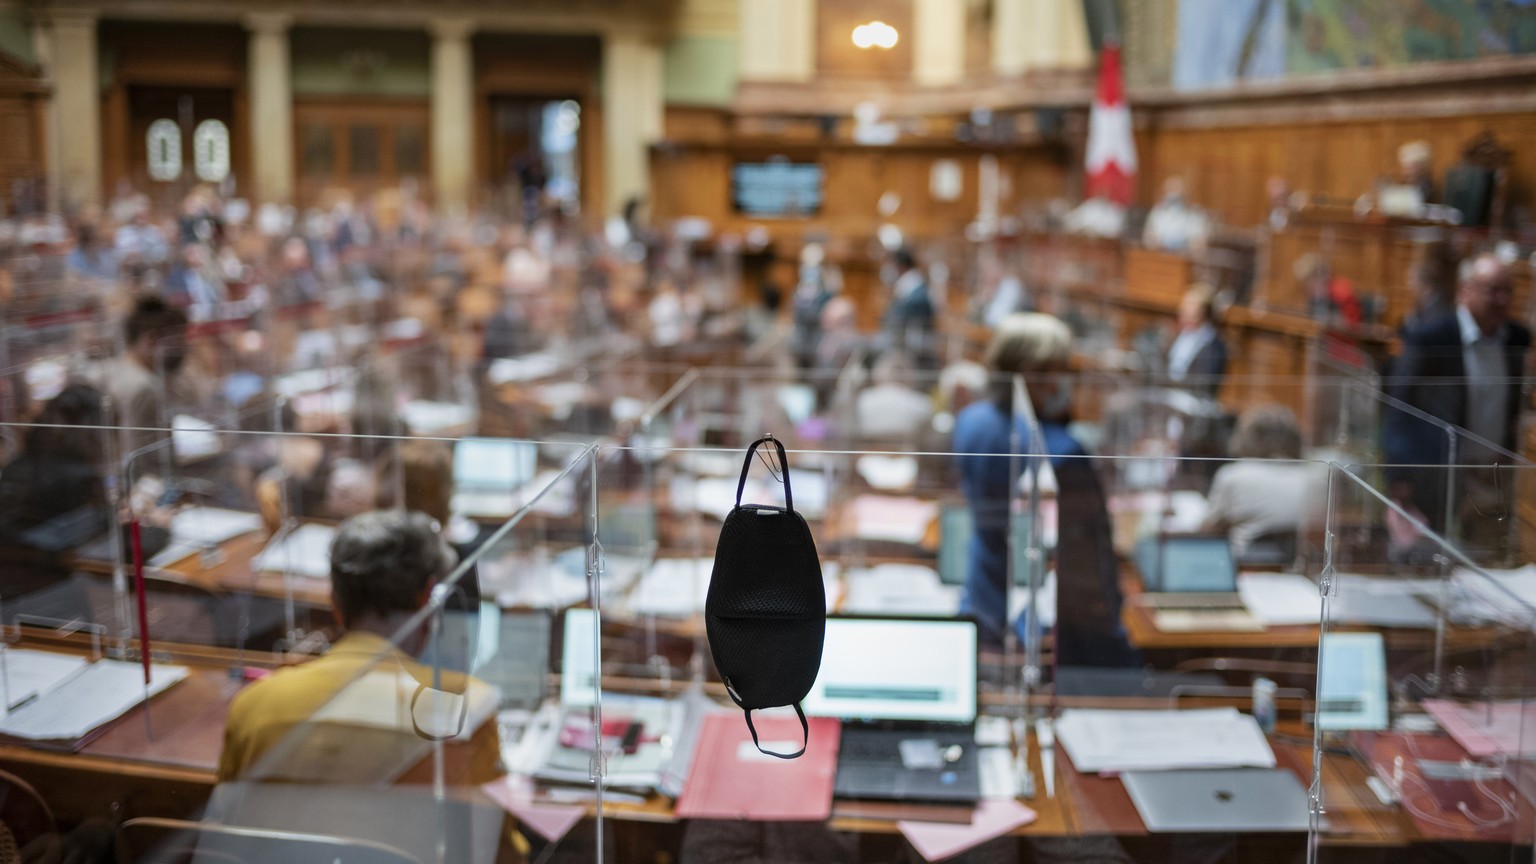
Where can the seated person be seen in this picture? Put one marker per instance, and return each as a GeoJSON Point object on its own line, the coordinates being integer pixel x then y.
{"type": "Point", "coordinates": [1089, 632]}
{"type": "Point", "coordinates": [1255, 495]}
{"type": "Point", "coordinates": [384, 566]}
{"type": "Point", "coordinates": [1198, 356]}
{"type": "Point", "coordinates": [890, 408]}
{"type": "Point", "coordinates": [52, 500]}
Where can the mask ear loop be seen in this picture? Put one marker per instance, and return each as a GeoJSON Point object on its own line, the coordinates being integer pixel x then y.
{"type": "Point", "coordinates": [805, 727]}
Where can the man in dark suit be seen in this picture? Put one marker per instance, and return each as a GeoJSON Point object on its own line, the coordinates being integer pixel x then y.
{"type": "Point", "coordinates": [1464, 369]}
{"type": "Point", "coordinates": [1197, 359]}
{"type": "Point", "coordinates": [908, 325]}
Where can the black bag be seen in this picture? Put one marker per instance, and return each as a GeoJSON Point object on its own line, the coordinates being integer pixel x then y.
{"type": "Point", "coordinates": [766, 613]}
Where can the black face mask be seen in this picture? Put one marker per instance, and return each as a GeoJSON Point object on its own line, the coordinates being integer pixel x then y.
{"type": "Point", "coordinates": [766, 613]}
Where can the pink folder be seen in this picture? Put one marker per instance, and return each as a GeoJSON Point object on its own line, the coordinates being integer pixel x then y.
{"type": "Point", "coordinates": [730, 779]}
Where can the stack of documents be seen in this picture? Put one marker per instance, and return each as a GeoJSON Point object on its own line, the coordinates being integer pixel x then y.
{"type": "Point", "coordinates": [673, 587]}
{"type": "Point", "coordinates": [897, 520]}
{"type": "Point", "coordinates": [1505, 596]}
{"type": "Point", "coordinates": [86, 697]}
{"type": "Point", "coordinates": [197, 528]}
{"type": "Point", "coordinates": [1279, 599]}
{"type": "Point", "coordinates": [1108, 741]}
{"type": "Point", "coordinates": [435, 418]}
{"type": "Point", "coordinates": [906, 589]}
{"type": "Point", "coordinates": [306, 551]}
{"type": "Point", "coordinates": [1488, 729]}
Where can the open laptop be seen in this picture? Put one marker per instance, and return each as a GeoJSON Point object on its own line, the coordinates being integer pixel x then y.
{"type": "Point", "coordinates": [905, 690]}
{"type": "Point", "coordinates": [957, 525]}
{"type": "Point", "coordinates": [1190, 584]}
{"type": "Point", "coordinates": [1221, 800]}
{"type": "Point", "coordinates": [488, 472]}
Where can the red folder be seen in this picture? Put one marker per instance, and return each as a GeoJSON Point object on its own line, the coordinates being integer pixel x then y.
{"type": "Point", "coordinates": [731, 780]}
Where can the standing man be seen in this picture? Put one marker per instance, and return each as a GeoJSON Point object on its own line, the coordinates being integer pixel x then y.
{"type": "Point", "coordinates": [1464, 369]}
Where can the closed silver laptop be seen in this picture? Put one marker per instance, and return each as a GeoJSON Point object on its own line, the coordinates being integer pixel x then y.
{"type": "Point", "coordinates": [1224, 800]}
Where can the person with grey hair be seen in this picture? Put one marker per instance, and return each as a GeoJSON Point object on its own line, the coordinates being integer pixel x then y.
{"type": "Point", "coordinates": [1088, 630]}
{"type": "Point", "coordinates": [1264, 492]}
{"type": "Point", "coordinates": [384, 567]}
{"type": "Point", "coordinates": [1465, 369]}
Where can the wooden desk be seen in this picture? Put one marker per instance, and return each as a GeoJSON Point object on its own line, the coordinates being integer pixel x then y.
{"type": "Point", "coordinates": [126, 772]}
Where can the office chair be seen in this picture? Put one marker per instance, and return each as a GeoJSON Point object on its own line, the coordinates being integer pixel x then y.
{"type": "Point", "coordinates": [152, 840]}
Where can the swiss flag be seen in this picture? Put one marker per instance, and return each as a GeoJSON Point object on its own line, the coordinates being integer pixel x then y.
{"type": "Point", "coordinates": [1111, 160]}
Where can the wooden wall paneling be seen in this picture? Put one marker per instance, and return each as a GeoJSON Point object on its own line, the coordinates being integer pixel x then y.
{"type": "Point", "coordinates": [836, 55]}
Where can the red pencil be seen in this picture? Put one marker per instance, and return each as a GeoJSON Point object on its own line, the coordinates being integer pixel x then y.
{"type": "Point", "coordinates": [139, 594]}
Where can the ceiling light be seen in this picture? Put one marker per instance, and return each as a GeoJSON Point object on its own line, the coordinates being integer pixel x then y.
{"type": "Point", "coordinates": [875, 34]}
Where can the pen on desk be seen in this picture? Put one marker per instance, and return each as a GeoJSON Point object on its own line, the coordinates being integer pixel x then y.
{"type": "Point", "coordinates": [140, 595]}
{"type": "Point", "coordinates": [1045, 739]}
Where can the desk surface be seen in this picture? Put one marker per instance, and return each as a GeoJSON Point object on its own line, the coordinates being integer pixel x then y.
{"type": "Point", "coordinates": [167, 768]}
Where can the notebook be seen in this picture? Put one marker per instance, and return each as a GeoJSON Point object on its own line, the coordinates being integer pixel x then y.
{"type": "Point", "coordinates": [1220, 800]}
{"type": "Point", "coordinates": [905, 691]}
{"type": "Point", "coordinates": [639, 735]}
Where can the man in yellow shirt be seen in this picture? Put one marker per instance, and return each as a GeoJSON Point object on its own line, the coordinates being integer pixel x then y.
{"type": "Point", "coordinates": [366, 711]}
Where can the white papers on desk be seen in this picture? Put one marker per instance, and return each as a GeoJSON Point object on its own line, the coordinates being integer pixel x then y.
{"type": "Point", "coordinates": [887, 473]}
{"type": "Point", "coordinates": [1182, 512]}
{"type": "Point", "coordinates": [529, 367]}
{"type": "Point", "coordinates": [311, 380]}
{"type": "Point", "coordinates": [1383, 602]}
{"type": "Point", "coordinates": [503, 503]}
{"type": "Point", "coordinates": [905, 589]}
{"type": "Point", "coordinates": [210, 526]}
{"type": "Point", "coordinates": [898, 520]}
{"type": "Point", "coordinates": [1505, 596]}
{"type": "Point", "coordinates": [1100, 740]}
{"type": "Point", "coordinates": [193, 439]}
{"type": "Point", "coordinates": [197, 528]}
{"type": "Point", "coordinates": [26, 674]}
{"type": "Point", "coordinates": [555, 582]}
{"type": "Point", "coordinates": [715, 496]}
{"type": "Point", "coordinates": [306, 551]}
{"type": "Point", "coordinates": [97, 695]}
{"type": "Point", "coordinates": [434, 418]}
{"type": "Point", "coordinates": [1280, 599]}
{"type": "Point", "coordinates": [673, 587]}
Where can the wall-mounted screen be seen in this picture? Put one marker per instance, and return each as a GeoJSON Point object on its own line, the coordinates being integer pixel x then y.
{"type": "Point", "coordinates": [776, 188]}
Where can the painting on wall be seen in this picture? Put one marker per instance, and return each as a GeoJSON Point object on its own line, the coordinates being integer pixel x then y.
{"type": "Point", "coordinates": [1327, 35]}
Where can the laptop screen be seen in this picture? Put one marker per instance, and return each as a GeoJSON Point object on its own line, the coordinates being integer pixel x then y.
{"type": "Point", "coordinates": [896, 669]}
{"type": "Point", "coordinates": [1353, 691]}
{"type": "Point", "coordinates": [494, 464]}
{"type": "Point", "coordinates": [1202, 564]}
{"type": "Point", "coordinates": [578, 659]}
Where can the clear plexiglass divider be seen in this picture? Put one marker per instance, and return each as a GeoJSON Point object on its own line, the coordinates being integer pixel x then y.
{"type": "Point", "coordinates": [452, 684]}
{"type": "Point", "coordinates": [1420, 714]}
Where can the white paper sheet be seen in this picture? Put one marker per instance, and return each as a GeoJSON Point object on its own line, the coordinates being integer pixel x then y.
{"type": "Point", "coordinates": [675, 587]}
{"type": "Point", "coordinates": [99, 694]}
{"type": "Point", "coordinates": [1100, 740]}
{"type": "Point", "coordinates": [432, 418]}
{"type": "Point", "coordinates": [26, 675]}
{"type": "Point", "coordinates": [906, 589]}
{"type": "Point", "coordinates": [899, 520]}
{"type": "Point", "coordinates": [304, 552]}
{"type": "Point", "coordinates": [529, 367]}
{"type": "Point", "coordinates": [210, 526]}
{"type": "Point", "coordinates": [887, 473]}
{"type": "Point", "coordinates": [1280, 599]}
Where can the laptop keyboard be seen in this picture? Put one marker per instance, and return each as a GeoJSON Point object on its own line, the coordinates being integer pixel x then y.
{"type": "Point", "coordinates": [1192, 601]}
